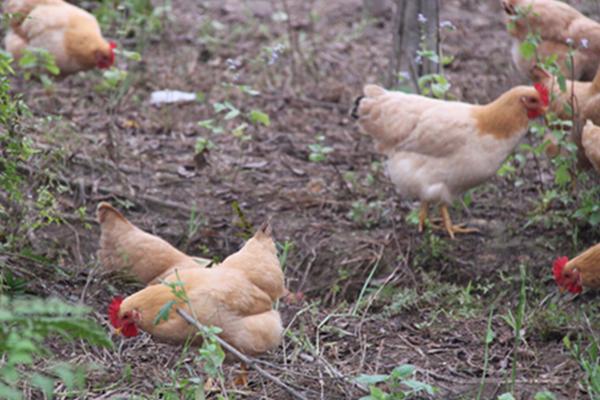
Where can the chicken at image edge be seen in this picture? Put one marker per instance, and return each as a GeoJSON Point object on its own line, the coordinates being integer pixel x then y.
{"type": "Point", "coordinates": [69, 33]}
{"type": "Point", "coordinates": [438, 149]}
{"type": "Point", "coordinates": [236, 295]}
{"type": "Point", "coordinates": [581, 271]}
{"type": "Point", "coordinates": [561, 30]}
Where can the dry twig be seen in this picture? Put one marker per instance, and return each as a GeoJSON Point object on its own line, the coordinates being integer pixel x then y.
{"type": "Point", "coordinates": [249, 361]}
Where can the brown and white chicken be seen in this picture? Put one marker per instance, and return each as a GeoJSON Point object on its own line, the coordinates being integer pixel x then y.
{"type": "Point", "coordinates": [438, 149]}
{"type": "Point", "coordinates": [69, 33]}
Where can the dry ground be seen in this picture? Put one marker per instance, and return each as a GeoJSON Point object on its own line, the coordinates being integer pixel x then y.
{"type": "Point", "coordinates": [429, 298]}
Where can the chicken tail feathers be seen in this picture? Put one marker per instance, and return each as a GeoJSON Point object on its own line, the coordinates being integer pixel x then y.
{"type": "Point", "coordinates": [354, 112]}
{"type": "Point", "coordinates": [104, 210]}
{"type": "Point", "coordinates": [266, 228]}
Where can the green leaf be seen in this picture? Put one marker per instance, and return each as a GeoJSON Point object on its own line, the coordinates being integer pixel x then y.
{"type": "Point", "coordinates": [545, 395]}
{"type": "Point", "coordinates": [562, 175]}
{"type": "Point", "coordinates": [506, 396]}
{"type": "Point", "coordinates": [527, 50]}
{"type": "Point", "coordinates": [404, 371]}
{"type": "Point", "coordinates": [418, 386]}
{"type": "Point", "coordinates": [163, 313]}
{"type": "Point", "coordinates": [6, 392]}
{"type": "Point", "coordinates": [371, 379]}
{"type": "Point", "coordinates": [44, 383]}
{"type": "Point", "coordinates": [257, 116]}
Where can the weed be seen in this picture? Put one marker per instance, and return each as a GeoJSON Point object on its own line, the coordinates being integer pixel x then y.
{"type": "Point", "coordinates": [25, 324]}
{"type": "Point", "coordinates": [400, 382]}
{"type": "Point", "coordinates": [319, 151]}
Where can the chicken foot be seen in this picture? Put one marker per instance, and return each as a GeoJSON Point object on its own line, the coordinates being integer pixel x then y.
{"type": "Point", "coordinates": [450, 227]}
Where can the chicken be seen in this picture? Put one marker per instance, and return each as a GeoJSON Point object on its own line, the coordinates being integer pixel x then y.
{"type": "Point", "coordinates": [438, 149]}
{"type": "Point", "coordinates": [583, 270]}
{"type": "Point", "coordinates": [590, 141]}
{"type": "Point", "coordinates": [582, 98]}
{"type": "Point", "coordinates": [560, 27]}
{"type": "Point", "coordinates": [236, 295]}
{"type": "Point", "coordinates": [70, 34]}
{"type": "Point", "coordinates": [123, 246]}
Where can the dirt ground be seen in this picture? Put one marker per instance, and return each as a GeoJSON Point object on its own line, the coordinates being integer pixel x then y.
{"type": "Point", "coordinates": [429, 298]}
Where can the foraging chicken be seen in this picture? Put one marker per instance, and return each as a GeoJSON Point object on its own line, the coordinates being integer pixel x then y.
{"type": "Point", "coordinates": [583, 270]}
{"type": "Point", "coordinates": [590, 141]}
{"type": "Point", "coordinates": [69, 33]}
{"type": "Point", "coordinates": [124, 246]}
{"type": "Point", "coordinates": [557, 24]}
{"type": "Point", "coordinates": [236, 295]}
{"type": "Point", "coordinates": [439, 149]}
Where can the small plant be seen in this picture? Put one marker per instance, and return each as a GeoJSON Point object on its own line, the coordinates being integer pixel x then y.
{"type": "Point", "coordinates": [39, 64]}
{"type": "Point", "coordinates": [588, 358]}
{"type": "Point", "coordinates": [365, 214]}
{"type": "Point", "coordinates": [400, 384]}
{"type": "Point", "coordinates": [318, 151]}
{"type": "Point", "coordinates": [25, 324]}
{"type": "Point", "coordinates": [210, 355]}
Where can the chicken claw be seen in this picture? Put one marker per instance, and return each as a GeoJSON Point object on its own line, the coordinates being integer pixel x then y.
{"type": "Point", "coordinates": [451, 228]}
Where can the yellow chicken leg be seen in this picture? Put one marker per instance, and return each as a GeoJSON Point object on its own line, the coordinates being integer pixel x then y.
{"type": "Point", "coordinates": [424, 210]}
{"type": "Point", "coordinates": [450, 228]}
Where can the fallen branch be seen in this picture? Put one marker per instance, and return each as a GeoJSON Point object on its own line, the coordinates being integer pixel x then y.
{"type": "Point", "coordinates": [249, 361]}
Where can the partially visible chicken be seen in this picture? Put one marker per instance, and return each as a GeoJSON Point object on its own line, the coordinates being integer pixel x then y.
{"type": "Point", "coordinates": [556, 23]}
{"type": "Point", "coordinates": [590, 141]}
{"type": "Point", "coordinates": [439, 149]}
{"type": "Point", "coordinates": [124, 246]}
{"type": "Point", "coordinates": [69, 33]}
{"type": "Point", "coordinates": [583, 270]}
{"type": "Point", "coordinates": [580, 98]}
{"type": "Point", "coordinates": [575, 97]}
{"type": "Point", "coordinates": [236, 295]}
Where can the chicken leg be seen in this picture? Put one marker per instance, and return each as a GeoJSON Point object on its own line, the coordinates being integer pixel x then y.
{"type": "Point", "coordinates": [451, 228]}
{"type": "Point", "coordinates": [423, 211]}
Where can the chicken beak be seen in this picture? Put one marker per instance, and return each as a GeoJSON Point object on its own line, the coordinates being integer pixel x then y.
{"type": "Point", "coordinates": [561, 289]}
{"type": "Point", "coordinates": [118, 331]}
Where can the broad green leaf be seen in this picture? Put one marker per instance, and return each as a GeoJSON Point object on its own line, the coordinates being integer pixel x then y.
{"type": "Point", "coordinates": [370, 379]}
{"type": "Point", "coordinates": [257, 116]}
{"type": "Point", "coordinates": [404, 371]}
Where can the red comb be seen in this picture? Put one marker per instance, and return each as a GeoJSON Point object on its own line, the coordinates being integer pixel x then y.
{"type": "Point", "coordinates": [543, 91]}
{"type": "Point", "coordinates": [112, 45]}
{"type": "Point", "coordinates": [113, 312]}
{"type": "Point", "coordinates": [557, 268]}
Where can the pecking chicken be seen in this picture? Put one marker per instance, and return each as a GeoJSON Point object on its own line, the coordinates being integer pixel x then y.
{"type": "Point", "coordinates": [236, 296]}
{"type": "Point", "coordinates": [560, 27]}
{"type": "Point", "coordinates": [124, 246]}
{"type": "Point", "coordinates": [70, 34]}
{"type": "Point", "coordinates": [438, 149]}
{"type": "Point", "coordinates": [583, 270]}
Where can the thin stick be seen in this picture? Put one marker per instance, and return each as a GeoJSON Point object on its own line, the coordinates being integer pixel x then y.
{"type": "Point", "coordinates": [249, 361]}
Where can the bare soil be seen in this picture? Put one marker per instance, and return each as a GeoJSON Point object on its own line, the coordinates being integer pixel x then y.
{"type": "Point", "coordinates": [141, 158]}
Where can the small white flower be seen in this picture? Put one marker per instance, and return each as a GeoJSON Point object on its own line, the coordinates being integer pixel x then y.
{"type": "Point", "coordinates": [569, 41]}
{"type": "Point", "coordinates": [419, 59]}
{"type": "Point", "coordinates": [585, 43]}
{"type": "Point", "coordinates": [421, 18]}
{"type": "Point", "coordinates": [447, 24]}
